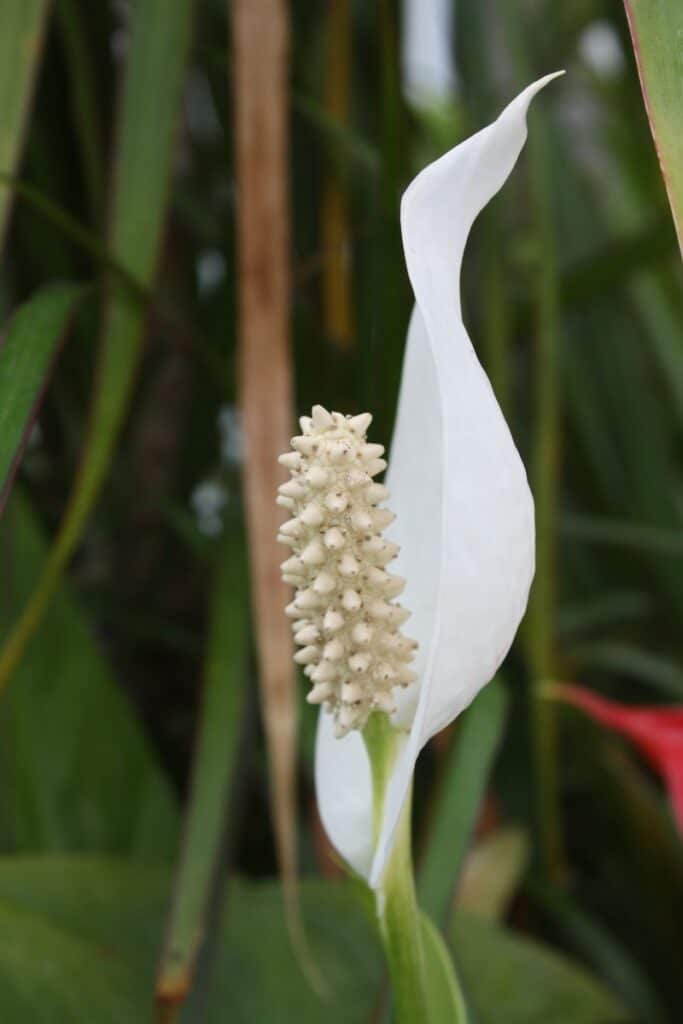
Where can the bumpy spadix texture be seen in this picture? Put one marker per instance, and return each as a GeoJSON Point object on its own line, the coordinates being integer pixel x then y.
{"type": "Point", "coordinates": [346, 620]}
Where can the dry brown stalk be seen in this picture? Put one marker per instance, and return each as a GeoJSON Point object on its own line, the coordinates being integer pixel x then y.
{"type": "Point", "coordinates": [260, 47]}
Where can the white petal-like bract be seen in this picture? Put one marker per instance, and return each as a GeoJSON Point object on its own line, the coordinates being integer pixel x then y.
{"type": "Point", "coordinates": [465, 520]}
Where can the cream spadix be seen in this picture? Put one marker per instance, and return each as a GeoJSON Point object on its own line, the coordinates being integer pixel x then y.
{"type": "Point", "coordinates": [465, 519]}
{"type": "Point", "coordinates": [345, 615]}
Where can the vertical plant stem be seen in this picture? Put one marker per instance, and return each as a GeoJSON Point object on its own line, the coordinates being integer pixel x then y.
{"type": "Point", "coordinates": [260, 44]}
{"type": "Point", "coordinates": [399, 919]}
{"type": "Point", "coordinates": [398, 914]}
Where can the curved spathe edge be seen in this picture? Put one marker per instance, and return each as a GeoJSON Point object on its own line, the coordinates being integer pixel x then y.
{"type": "Point", "coordinates": [434, 250]}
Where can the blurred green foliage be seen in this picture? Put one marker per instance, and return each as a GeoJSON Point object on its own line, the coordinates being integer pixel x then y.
{"type": "Point", "coordinates": [572, 295]}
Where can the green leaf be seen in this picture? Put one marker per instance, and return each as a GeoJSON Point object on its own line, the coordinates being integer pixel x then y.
{"type": "Point", "coordinates": [215, 770]}
{"type": "Point", "coordinates": [83, 944]}
{"type": "Point", "coordinates": [83, 939]}
{"type": "Point", "coordinates": [656, 31]}
{"type": "Point", "coordinates": [70, 912]}
{"type": "Point", "coordinates": [257, 972]}
{"type": "Point", "coordinates": [31, 344]}
{"type": "Point", "coordinates": [444, 997]}
{"type": "Point", "coordinates": [465, 778]}
{"type": "Point", "coordinates": [21, 44]}
{"type": "Point", "coordinates": [48, 975]}
{"type": "Point", "coordinates": [513, 980]}
{"type": "Point", "coordinates": [146, 135]}
{"type": "Point", "coordinates": [76, 771]}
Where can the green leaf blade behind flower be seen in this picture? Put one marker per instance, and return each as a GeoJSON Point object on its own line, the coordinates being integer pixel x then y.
{"type": "Point", "coordinates": [465, 777]}
{"type": "Point", "coordinates": [31, 344]}
{"type": "Point", "coordinates": [445, 999]}
{"type": "Point", "coordinates": [96, 921]}
{"type": "Point", "coordinates": [73, 910]}
{"type": "Point", "coordinates": [83, 939]}
{"type": "Point", "coordinates": [76, 772]}
{"type": "Point", "coordinates": [511, 979]}
{"type": "Point", "coordinates": [21, 44]}
{"type": "Point", "coordinates": [656, 31]}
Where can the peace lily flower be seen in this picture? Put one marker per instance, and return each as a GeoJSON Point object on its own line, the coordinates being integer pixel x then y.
{"type": "Point", "coordinates": [462, 545]}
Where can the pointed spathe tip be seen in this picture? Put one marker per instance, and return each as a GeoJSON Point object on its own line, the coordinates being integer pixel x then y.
{"type": "Point", "coordinates": [525, 97]}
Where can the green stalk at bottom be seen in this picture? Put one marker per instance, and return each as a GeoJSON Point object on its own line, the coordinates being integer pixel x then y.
{"type": "Point", "coordinates": [396, 901]}
{"type": "Point", "coordinates": [399, 921]}
{"type": "Point", "coordinates": [425, 986]}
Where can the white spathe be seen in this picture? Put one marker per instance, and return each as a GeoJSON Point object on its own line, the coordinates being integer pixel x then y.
{"type": "Point", "coordinates": [464, 512]}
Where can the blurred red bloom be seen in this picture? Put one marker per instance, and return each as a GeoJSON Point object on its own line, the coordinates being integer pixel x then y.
{"type": "Point", "coordinates": [657, 732]}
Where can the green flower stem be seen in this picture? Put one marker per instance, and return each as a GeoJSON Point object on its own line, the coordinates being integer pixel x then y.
{"type": "Point", "coordinates": [396, 901]}
{"type": "Point", "coordinates": [381, 743]}
{"type": "Point", "coordinates": [400, 926]}
{"type": "Point", "coordinates": [424, 983]}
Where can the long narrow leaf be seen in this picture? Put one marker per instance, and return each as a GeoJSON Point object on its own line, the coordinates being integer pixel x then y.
{"type": "Point", "coordinates": [465, 777]}
{"type": "Point", "coordinates": [215, 770]}
{"type": "Point", "coordinates": [27, 353]}
{"type": "Point", "coordinates": [21, 44]}
{"type": "Point", "coordinates": [656, 30]}
{"type": "Point", "coordinates": [146, 134]}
